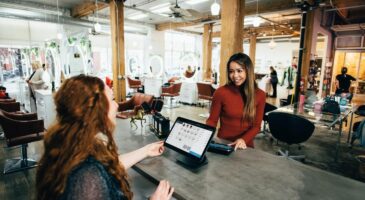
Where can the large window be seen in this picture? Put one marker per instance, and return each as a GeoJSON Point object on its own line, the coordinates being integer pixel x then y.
{"type": "Point", "coordinates": [176, 46]}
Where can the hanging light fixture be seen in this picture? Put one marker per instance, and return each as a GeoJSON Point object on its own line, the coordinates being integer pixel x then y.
{"type": "Point", "coordinates": [272, 43]}
{"type": "Point", "coordinates": [59, 34]}
{"type": "Point", "coordinates": [97, 26]}
{"type": "Point", "coordinates": [215, 8]}
{"type": "Point", "coordinates": [257, 20]}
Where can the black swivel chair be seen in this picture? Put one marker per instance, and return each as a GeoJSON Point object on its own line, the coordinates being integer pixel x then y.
{"type": "Point", "coordinates": [291, 129]}
{"type": "Point", "coordinates": [268, 108]}
{"type": "Point", "coordinates": [360, 111]}
{"type": "Point", "coordinates": [287, 101]}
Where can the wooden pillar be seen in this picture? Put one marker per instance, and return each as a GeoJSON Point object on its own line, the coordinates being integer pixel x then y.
{"type": "Point", "coordinates": [253, 48]}
{"type": "Point", "coordinates": [231, 35]}
{"type": "Point", "coordinates": [307, 47]}
{"type": "Point", "coordinates": [117, 29]}
{"type": "Point", "coordinates": [207, 51]}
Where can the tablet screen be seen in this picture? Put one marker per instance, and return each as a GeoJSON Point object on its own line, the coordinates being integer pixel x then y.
{"type": "Point", "coordinates": [190, 137]}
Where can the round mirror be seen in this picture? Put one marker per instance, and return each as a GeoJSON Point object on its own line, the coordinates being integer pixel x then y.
{"type": "Point", "coordinates": [155, 66]}
{"type": "Point", "coordinates": [52, 63]}
{"type": "Point", "coordinates": [75, 61]}
{"type": "Point", "coordinates": [35, 55]}
{"type": "Point", "coordinates": [133, 66]}
{"type": "Point", "coordinates": [188, 65]}
{"type": "Point", "coordinates": [26, 67]}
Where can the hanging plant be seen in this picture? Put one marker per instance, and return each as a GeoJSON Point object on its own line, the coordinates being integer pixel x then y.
{"type": "Point", "coordinates": [35, 51]}
{"type": "Point", "coordinates": [53, 45]}
{"type": "Point", "coordinates": [71, 40]}
{"type": "Point", "coordinates": [25, 51]}
{"type": "Point", "coordinates": [85, 45]}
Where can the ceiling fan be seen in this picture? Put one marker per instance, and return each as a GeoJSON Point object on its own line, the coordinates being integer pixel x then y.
{"type": "Point", "coordinates": [185, 14]}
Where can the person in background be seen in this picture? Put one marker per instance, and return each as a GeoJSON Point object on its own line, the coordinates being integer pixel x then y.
{"type": "Point", "coordinates": [274, 81]}
{"type": "Point", "coordinates": [35, 82]}
{"type": "Point", "coordinates": [290, 73]}
{"type": "Point", "coordinates": [239, 105]}
{"type": "Point", "coordinates": [80, 159]}
{"type": "Point", "coordinates": [343, 81]}
{"type": "Point", "coordinates": [47, 77]}
{"type": "Point", "coordinates": [3, 94]}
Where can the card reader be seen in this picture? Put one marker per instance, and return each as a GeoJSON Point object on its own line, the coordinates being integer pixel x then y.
{"type": "Point", "coordinates": [220, 148]}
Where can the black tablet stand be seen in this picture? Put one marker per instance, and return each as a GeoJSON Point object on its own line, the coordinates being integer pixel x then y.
{"type": "Point", "coordinates": [191, 163]}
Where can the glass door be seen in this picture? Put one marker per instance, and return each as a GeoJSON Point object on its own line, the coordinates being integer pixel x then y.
{"type": "Point", "coordinates": [355, 63]}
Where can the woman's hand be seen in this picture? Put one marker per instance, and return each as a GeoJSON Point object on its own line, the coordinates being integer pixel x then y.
{"type": "Point", "coordinates": [239, 144]}
{"type": "Point", "coordinates": [163, 192]}
{"type": "Point", "coordinates": [154, 149]}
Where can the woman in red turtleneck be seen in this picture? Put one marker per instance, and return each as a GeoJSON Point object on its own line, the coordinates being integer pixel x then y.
{"type": "Point", "coordinates": [239, 104]}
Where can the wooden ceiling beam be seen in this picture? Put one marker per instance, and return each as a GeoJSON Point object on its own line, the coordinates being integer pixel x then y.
{"type": "Point", "coordinates": [247, 32]}
{"type": "Point", "coordinates": [87, 8]}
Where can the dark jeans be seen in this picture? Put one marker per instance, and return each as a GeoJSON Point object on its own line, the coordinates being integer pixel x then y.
{"type": "Point", "coordinates": [274, 89]}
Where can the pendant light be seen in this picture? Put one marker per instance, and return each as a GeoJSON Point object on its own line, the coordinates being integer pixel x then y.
{"type": "Point", "coordinates": [59, 34]}
{"type": "Point", "coordinates": [257, 20]}
{"type": "Point", "coordinates": [215, 8]}
{"type": "Point", "coordinates": [272, 43]}
{"type": "Point", "coordinates": [97, 26]}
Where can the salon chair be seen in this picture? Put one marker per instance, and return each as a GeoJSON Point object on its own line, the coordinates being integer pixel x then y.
{"type": "Point", "coordinates": [268, 108]}
{"type": "Point", "coordinates": [132, 109]}
{"type": "Point", "coordinates": [171, 91]}
{"type": "Point", "coordinates": [20, 129]}
{"type": "Point", "coordinates": [134, 84]}
{"type": "Point", "coordinates": [7, 100]}
{"type": "Point", "coordinates": [205, 92]}
{"type": "Point", "coordinates": [10, 106]}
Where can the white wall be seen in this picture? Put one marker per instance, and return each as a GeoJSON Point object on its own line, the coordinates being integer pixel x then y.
{"type": "Point", "coordinates": [16, 32]}
{"type": "Point", "coordinates": [279, 56]}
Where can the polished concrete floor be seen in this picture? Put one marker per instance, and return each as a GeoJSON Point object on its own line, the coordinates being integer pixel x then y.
{"type": "Point", "coordinates": [319, 149]}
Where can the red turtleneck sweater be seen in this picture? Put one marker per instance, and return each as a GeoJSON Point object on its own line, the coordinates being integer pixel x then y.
{"type": "Point", "coordinates": [227, 105]}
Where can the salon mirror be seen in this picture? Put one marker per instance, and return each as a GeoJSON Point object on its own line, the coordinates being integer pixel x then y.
{"type": "Point", "coordinates": [188, 66]}
{"type": "Point", "coordinates": [155, 66]}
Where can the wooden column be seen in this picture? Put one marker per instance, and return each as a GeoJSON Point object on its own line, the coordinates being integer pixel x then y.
{"type": "Point", "coordinates": [307, 47]}
{"type": "Point", "coordinates": [231, 37]}
{"type": "Point", "coordinates": [207, 51]}
{"type": "Point", "coordinates": [117, 29]}
{"type": "Point", "coordinates": [253, 48]}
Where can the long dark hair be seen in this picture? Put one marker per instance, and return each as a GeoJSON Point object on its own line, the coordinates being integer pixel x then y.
{"type": "Point", "coordinates": [82, 113]}
{"type": "Point", "coordinates": [247, 89]}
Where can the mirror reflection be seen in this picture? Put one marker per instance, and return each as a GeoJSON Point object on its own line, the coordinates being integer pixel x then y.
{"type": "Point", "coordinates": [133, 66]}
{"type": "Point", "coordinates": [188, 65]}
{"type": "Point", "coordinates": [156, 66]}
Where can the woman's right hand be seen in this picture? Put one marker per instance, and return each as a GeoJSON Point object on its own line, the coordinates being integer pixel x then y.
{"type": "Point", "coordinates": [163, 192]}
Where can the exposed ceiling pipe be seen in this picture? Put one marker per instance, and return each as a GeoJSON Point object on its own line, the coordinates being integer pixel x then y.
{"type": "Point", "coordinates": [33, 7]}
{"type": "Point", "coordinates": [63, 20]}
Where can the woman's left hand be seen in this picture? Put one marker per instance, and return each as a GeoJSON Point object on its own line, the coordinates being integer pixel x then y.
{"type": "Point", "coordinates": [154, 149]}
{"type": "Point", "coordinates": [238, 144]}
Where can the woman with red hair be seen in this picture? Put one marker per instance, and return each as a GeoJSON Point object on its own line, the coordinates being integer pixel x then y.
{"type": "Point", "coordinates": [80, 159]}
